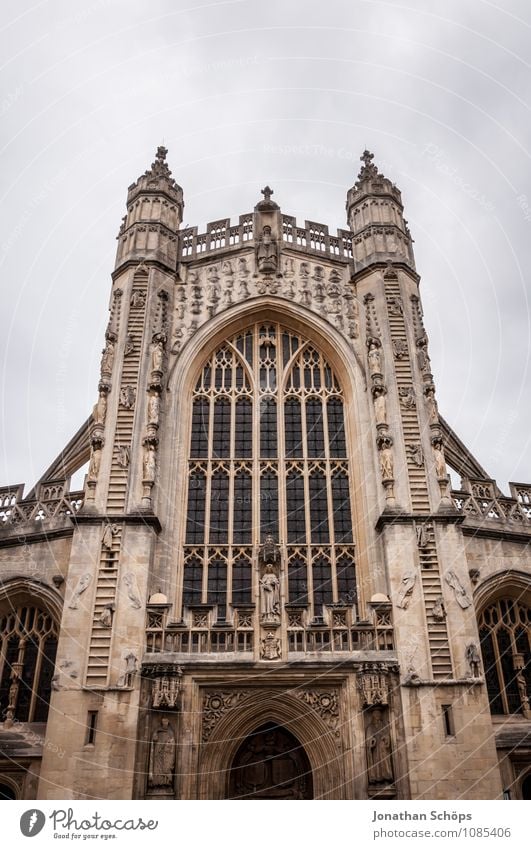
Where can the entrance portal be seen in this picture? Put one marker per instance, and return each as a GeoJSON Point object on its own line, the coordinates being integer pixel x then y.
{"type": "Point", "coordinates": [271, 764]}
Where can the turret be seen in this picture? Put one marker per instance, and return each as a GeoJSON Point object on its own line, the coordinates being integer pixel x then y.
{"type": "Point", "coordinates": [375, 216]}
{"type": "Point", "coordinates": [154, 215]}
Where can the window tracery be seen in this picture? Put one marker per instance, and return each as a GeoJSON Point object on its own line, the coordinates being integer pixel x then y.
{"type": "Point", "coordinates": [28, 646]}
{"type": "Point", "coordinates": [268, 455]}
{"type": "Point", "coordinates": [505, 635]}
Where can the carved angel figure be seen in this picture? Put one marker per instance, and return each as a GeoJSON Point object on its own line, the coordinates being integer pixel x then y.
{"type": "Point", "coordinates": [81, 586]}
{"type": "Point", "coordinates": [406, 588]}
{"type": "Point", "coordinates": [132, 590]}
{"type": "Point", "coordinates": [459, 591]}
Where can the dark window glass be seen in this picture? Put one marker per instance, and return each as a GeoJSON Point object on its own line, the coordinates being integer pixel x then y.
{"type": "Point", "coordinates": [45, 680]}
{"type": "Point", "coordinates": [295, 507]}
{"type": "Point", "coordinates": [243, 509]}
{"type": "Point", "coordinates": [11, 656]}
{"type": "Point", "coordinates": [297, 581]}
{"type": "Point", "coordinates": [199, 438]}
{"type": "Point", "coordinates": [506, 659]}
{"type": "Point", "coordinates": [293, 427]}
{"type": "Point", "coordinates": [318, 508]}
{"type": "Point", "coordinates": [341, 507]}
{"type": "Point", "coordinates": [241, 583]}
{"type": "Point", "coordinates": [243, 436]}
{"type": "Point", "coordinates": [217, 586]}
{"type": "Point", "coordinates": [221, 434]}
{"type": "Point", "coordinates": [193, 582]}
{"type": "Point", "coordinates": [219, 507]}
{"type": "Point", "coordinates": [336, 428]}
{"type": "Point", "coordinates": [314, 427]}
{"type": "Point", "coordinates": [268, 427]}
{"type": "Point", "coordinates": [269, 504]}
{"type": "Point", "coordinates": [346, 580]}
{"type": "Point", "coordinates": [322, 584]}
{"type": "Point", "coordinates": [25, 689]}
{"type": "Point", "coordinates": [195, 518]}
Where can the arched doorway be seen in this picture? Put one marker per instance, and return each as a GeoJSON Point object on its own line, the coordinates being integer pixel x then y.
{"type": "Point", "coordinates": [271, 764]}
{"type": "Point", "coordinates": [7, 792]}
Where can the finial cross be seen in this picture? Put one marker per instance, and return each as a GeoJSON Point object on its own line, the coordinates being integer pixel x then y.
{"type": "Point", "coordinates": [267, 192]}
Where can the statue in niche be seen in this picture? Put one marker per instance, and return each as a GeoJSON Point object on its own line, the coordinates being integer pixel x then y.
{"type": "Point", "coordinates": [226, 269]}
{"type": "Point", "coordinates": [270, 595]}
{"type": "Point", "coordinates": [375, 357]}
{"type": "Point", "coordinates": [94, 465]}
{"type": "Point", "coordinates": [438, 610]}
{"type": "Point", "coordinates": [386, 462]}
{"type": "Point", "coordinates": [407, 586]}
{"type": "Point", "coordinates": [459, 591]}
{"type": "Point", "coordinates": [107, 357]}
{"type": "Point", "coordinates": [162, 756]}
{"type": "Point", "coordinates": [81, 586]}
{"type": "Point", "coordinates": [422, 355]}
{"type": "Point", "coordinates": [353, 329]}
{"type": "Point", "coordinates": [129, 345]}
{"type": "Point", "coordinates": [433, 412]}
{"type": "Point", "coordinates": [128, 397]}
{"type": "Point", "coordinates": [157, 354]}
{"type": "Point", "coordinates": [269, 551]}
{"type": "Point", "coordinates": [289, 269]}
{"type": "Point", "coordinates": [132, 590]}
{"type": "Point", "coordinates": [440, 462]}
{"type": "Point", "coordinates": [123, 454]}
{"type": "Point", "coordinates": [149, 465]}
{"type": "Point", "coordinates": [126, 680]}
{"type": "Point", "coordinates": [473, 659]}
{"type": "Point", "coordinates": [407, 397]}
{"type": "Point", "coordinates": [266, 255]}
{"type": "Point", "coordinates": [319, 292]}
{"type": "Point", "coordinates": [242, 266]}
{"type": "Point", "coordinates": [306, 296]}
{"type": "Point", "coordinates": [99, 410]}
{"type": "Point", "coordinates": [153, 409]}
{"type": "Point", "coordinates": [395, 306]}
{"type": "Point", "coordinates": [378, 746]}
{"type": "Point", "coordinates": [521, 683]}
{"type": "Point", "coordinates": [304, 269]}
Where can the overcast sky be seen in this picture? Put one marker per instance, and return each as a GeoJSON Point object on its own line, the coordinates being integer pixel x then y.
{"type": "Point", "coordinates": [245, 93]}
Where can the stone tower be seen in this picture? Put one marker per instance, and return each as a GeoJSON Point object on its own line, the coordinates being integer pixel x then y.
{"type": "Point", "coordinates": [269, 590]}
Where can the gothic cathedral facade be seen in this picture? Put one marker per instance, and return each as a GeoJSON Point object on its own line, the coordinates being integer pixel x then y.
{"type": "Point", "coordinates": [268, 587]}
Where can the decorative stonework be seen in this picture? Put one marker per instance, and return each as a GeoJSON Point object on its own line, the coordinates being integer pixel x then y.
{"type": "Point", "coordinates": [215, 706]}
{"type": "Point", "coordinates": [373, 684]}
{"type": "Point", "coordinates": [323, 702]}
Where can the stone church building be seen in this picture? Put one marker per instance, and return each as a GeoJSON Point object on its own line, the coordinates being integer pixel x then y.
{"type": "Point", "coordinates": [268, 588]}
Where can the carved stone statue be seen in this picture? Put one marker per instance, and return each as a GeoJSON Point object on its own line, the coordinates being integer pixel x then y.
{"type": "Point", "coordinates": [473, 659]}
{"type": "Point", "coordinates": [374, 357]}
{"type": "Point", "coordinates": [459, 591]}
{"type": "Point", "coordinates": [157, 355]}
{"type": "Point", "coordinates": [109, 532]}
{"type": "Point", "coordinates": [378, 746]}
{"type": "Point", "coordinates": [128, 397]}
{"type": "Point", "coordinates": [107, 357]}
{"type": "Point", "coordinates": [438, 610]}
{"type": "Point", "coordinates": [407, 585]}
{"type": "Point", "coordinates": [82, 585]}
{"type": "Point", "coordinates": [422, 537]}
{"type": "Point", "coordinates": [270, 595]}
{"type": "Point", "coordinates": [123, 455]}
{"type": "Point", "coordinates": [153, 409]}
{"type": "Point", "coordinates": [269, 551]}
{"type": "Point", "coordinates": [386, 463]}
{"type": "Point", "coordinates": [266, 255]}
{"type": "Point", "coordinates": [416, 454]}
{"type": "Point", "coordinates": [433, 412]}
{"type": "Point", "coordinates": [162, 756]}
{"type": "Point", "coordinates": [440, 462]}
{"type": "Point", "coordinates": [149, 465]}
{"type": "Point", "coordinates": [100, 409]}
{"type": "Point", "coordinates": [129, 345]}
{"type": "Point", "coordinates": [126, 680]}
{"type": "Point", "coordinates": [132, 590]}
{"type": "Point", "coordinates": [94, 465]}
{"type": "Point", "coordinates": [105, 617]}
{"type": "Point", "coordinates": [380, 404]}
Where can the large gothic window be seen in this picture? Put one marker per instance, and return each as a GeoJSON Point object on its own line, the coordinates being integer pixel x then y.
{"type": "Point", "coordinates": [268, 455]}
{"type": "Point", "coordinates": [28, 645]}
{"type": "Point", "coordinates": [505, 634]}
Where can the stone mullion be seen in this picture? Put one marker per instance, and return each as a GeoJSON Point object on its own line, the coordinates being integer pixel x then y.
{"type": "Point", "coordinates": [35, 681]}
